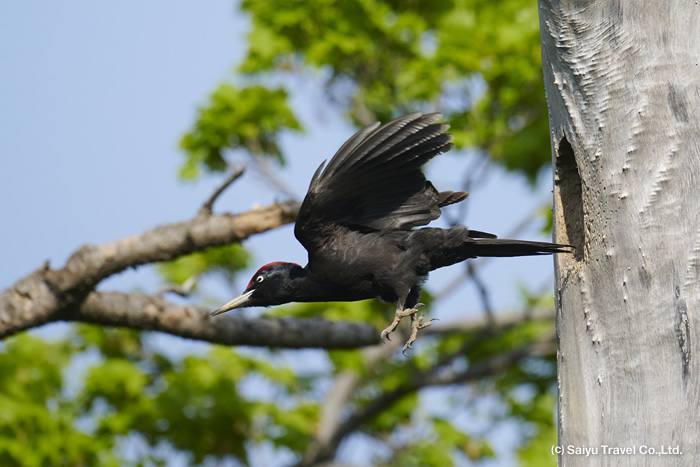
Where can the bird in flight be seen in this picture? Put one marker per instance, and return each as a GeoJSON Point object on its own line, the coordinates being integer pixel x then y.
{"type": "Point", "coordinates": [358, 223]}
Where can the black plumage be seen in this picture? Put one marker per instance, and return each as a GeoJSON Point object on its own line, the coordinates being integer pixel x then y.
{"type": "Point", "coordinates": [358, 221]}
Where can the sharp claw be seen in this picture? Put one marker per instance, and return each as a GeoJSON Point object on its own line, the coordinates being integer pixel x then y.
{"type": "Point", "coordinates": [416, 325]}
{"type": "Point", "coordinates": [384, 336]}
{"type": "Point", "coordinates": [425, 325]}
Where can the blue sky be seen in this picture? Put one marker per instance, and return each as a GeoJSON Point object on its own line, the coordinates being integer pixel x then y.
{"type": "Point", "coordinates": [94, 97]}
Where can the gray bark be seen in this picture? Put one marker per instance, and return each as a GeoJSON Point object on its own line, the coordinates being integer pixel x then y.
{"type": "Point", "coordinates": [48, 294]}
{"type": "Point", "coordinates": [623, 88]}
{"type": "Point", "coordinates": [146, 312]}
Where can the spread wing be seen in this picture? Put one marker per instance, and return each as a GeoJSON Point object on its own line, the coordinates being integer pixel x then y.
{"type": "Point", "coordinates": [375, 183]}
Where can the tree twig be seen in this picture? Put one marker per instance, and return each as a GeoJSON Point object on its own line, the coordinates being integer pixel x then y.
{"type": "Point", "coordinates": [262, 166]}
{"type": "Point", "coordinates": [208, 205]}
{"type": "Point", "coordinates": [483, 293]}
{"type": "Point", "coordinates": [183, 290]}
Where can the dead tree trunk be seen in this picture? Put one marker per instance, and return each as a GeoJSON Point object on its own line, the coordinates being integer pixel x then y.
{"type": "Point", "coordinates": [623, 87]}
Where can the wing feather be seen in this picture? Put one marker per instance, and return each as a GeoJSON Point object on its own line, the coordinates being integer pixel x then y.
{"type": "Point", "coordinates": [375, 181]}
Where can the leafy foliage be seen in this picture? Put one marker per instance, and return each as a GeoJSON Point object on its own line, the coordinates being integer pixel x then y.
{"type": "Point", "coordinates": [476, 61]}
{"type": "Point", "coordinates": [37, 420]}
{"type": "Point", "coordinates": [196, 406]}
{"type": "Point", "coordinates": [249, 118]}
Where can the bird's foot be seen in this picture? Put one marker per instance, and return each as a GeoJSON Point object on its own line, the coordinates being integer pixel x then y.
{"type": "Point", "coordinates": [416, 325]}
{"type": "Point", "coordinates": [397, 319]}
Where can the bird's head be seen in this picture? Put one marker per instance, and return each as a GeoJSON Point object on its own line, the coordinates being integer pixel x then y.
{"type": "Point", "coordinates": [272, 284]}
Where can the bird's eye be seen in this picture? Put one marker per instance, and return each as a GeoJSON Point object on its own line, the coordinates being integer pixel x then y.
{"type": "Point", "coordinates": [259, 279]}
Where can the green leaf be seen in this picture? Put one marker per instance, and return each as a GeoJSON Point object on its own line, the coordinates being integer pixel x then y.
{"type": "Point", "coordinates": [250, 119]}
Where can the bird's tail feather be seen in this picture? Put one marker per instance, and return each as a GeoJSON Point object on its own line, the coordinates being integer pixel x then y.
{"type": "Point", "coordinates": [502, 247]}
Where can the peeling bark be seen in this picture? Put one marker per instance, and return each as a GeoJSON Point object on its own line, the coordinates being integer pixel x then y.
{"type": "Point", "coordinates": [623, 88]}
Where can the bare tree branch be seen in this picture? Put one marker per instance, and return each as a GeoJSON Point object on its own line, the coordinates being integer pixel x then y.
{"type": "Point", "coordinates": [483, 292]}
{"type": "Point", "coordinates": [90, 264]}
{"type": "Point", "coordinates": [347, 381]}
{"type": "Point", "coordinates": [334, 404]}
{"type": "Point", "coordinates": [436, 376]}
{"type": "Point", "coordinates": [207, 207]}
{"type": "Point", "coordinates": [262, 167]}
{"type": "Point", "coordinates": [44, 294]}
{"type": "Point", "coordinates": [153, 313]}
{"type": "Point", "coordinates": [500, 321]}
{"type": "Point", "coordinates": [343, 386]}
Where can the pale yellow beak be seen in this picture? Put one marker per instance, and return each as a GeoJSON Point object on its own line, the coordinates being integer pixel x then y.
{"type": "Point", "coordinates": [237, 302]}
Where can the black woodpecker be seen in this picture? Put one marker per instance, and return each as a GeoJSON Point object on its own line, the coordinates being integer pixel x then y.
{"type": "Point", "coordinates": [358, 223]}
